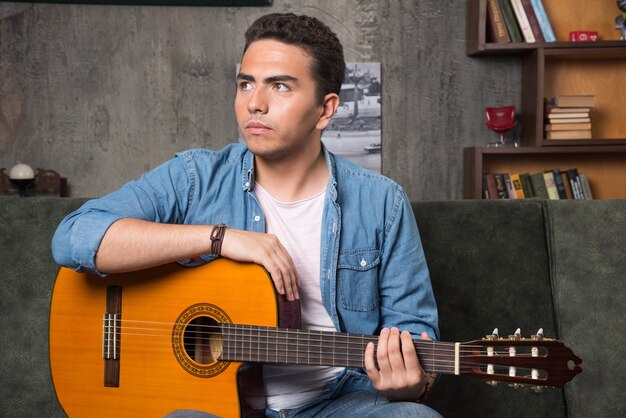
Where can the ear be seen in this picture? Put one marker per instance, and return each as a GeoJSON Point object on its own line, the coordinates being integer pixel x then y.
{"type": "Point", "coordinates": [328, 108]}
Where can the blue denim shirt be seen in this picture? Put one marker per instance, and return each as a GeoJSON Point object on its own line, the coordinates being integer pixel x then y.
{"type": "Point", "coordinates": [373, 271]}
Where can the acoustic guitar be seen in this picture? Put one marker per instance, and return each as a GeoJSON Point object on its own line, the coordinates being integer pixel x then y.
{"type": "Point", "coordinates": [150, 342]}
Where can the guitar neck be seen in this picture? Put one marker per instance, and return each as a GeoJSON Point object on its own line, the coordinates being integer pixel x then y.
{"type": "Point", "coordinates": [270, 345]}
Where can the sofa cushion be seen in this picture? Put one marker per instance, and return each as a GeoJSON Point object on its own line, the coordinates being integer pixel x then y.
{"type": "Point", "coordinates": [28, 273]}
{"type": "Point", "coordinates": [588, 248]}
{"type": "Point", "coordinates": [489, 267]}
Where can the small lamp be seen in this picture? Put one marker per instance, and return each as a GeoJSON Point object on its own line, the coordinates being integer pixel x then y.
{"type": "Point", "coordinates": [22, 176]}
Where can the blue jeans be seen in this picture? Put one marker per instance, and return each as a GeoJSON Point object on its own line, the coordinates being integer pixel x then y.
{"type": "Point", "coordinates": [350, 395]}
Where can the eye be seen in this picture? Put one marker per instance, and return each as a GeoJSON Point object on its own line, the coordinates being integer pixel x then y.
{"type": "Point", "coordinates": [280, 87]}
{"type": "Point", "coordinates": [245, 86]}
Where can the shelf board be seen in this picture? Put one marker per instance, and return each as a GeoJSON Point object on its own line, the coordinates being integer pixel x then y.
{"type": "Point", "coordinates": [559, 47]}
{"type": "Point", "coordinates": [570, 149]}
{"type": "Point", "coordinates": [582, 142]}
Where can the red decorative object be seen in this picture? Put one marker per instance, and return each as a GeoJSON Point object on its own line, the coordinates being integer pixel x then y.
{"type": "Point", "coordinates": [583, 36]}
{"type": "Point", "coordinates": [500, 120]}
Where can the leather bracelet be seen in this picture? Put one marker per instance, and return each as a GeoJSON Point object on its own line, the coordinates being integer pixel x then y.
{"type": "Point", "coordinates": [217, 236]}
{"type": "Point", "coordinates": [427, 387]}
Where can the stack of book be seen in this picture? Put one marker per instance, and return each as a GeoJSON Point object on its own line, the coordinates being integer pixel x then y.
{"type": "Point", "coordinates": [518, 21]}
{"type": "Point", "coordinates": [551, 184]}
{"type": "Point", "coordinates": [568, 117]}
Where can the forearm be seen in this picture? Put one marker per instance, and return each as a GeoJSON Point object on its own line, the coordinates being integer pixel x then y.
{"type": "Point", "coordinates": [132, 244]}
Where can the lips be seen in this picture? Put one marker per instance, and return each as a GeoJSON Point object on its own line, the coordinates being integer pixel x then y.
{"type": "Point", "coordinates": [255, 127]}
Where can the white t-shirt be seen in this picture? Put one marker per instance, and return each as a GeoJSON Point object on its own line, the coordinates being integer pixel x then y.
{"type": "Point", "coordinates": [298, 227]}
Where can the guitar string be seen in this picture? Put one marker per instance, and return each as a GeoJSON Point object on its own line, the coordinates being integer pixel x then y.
{"type": "Point", "coordinates": [288, 332]}
{"type": "Point", "coordinates": [441, 347]}
{"type": "Point", "coordinates": [310, 342]}
{"type": "Point", "coordinates": [438, 365]}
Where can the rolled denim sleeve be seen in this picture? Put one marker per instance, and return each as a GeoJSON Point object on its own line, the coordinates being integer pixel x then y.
{"type": "Point", "coordinates": [407, 298]}
{"type": "Point", "coordinates": [161, 195]}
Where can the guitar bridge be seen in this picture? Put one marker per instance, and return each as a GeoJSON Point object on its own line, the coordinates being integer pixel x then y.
{"type": "Point", "coordinates": [112, 336]}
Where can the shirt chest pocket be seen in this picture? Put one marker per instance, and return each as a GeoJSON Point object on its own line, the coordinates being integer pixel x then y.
{"type": "Point", "coordinates": [357, 272]}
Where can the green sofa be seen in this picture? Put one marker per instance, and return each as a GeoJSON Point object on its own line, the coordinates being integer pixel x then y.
{"type": "Point", "coordinates": [559, 265]}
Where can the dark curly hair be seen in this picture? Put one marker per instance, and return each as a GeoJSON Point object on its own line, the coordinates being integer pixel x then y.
{"type": "Point", "coordinates": [328, 67]}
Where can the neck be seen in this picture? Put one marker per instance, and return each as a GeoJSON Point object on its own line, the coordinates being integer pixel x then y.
{"type": "Point", "coordinates": [319, 348]}
{"type": "Point", "coordinates": [296, 178]}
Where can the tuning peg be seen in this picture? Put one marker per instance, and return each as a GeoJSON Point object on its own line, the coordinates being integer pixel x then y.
{"type": "Point", "coordinates": [517, 335]}
{"type": "Point", "coordinates": [494, 335]}
{"type": "Point", "coordinates": [534, 373]}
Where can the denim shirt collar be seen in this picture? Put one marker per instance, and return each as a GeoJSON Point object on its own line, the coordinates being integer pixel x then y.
{"type": "Point", "coordinates": [247, 172]}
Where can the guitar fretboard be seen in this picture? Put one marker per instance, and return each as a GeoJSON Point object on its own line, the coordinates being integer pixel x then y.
{"type": "Point", "coordinates": [316, 348]}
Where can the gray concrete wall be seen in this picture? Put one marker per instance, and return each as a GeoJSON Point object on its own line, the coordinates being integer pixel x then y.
{"type": "Point", "coordinates": [103, 93]}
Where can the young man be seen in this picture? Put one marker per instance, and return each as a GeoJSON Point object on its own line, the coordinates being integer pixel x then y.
{"type": "Point", "coordinates": [341, 239]}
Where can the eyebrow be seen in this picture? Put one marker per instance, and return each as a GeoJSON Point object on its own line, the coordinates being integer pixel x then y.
{"type": "Point", "coordinates": [268, 80]}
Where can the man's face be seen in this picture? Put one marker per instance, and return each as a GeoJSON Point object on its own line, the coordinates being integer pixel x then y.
{"type": "Point", "coordinates": [276, 104]}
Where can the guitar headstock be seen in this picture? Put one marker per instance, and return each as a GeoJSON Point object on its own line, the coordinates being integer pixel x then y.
{"type": "Point", "coordinates": [535, 361]}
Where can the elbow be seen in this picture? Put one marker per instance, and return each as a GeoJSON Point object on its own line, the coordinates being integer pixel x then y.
{"type": "Point", "coordinates": [61, 251]}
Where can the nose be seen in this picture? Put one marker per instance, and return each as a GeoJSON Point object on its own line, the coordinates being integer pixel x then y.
{"type": "Point", "coordinates": [257, 102]}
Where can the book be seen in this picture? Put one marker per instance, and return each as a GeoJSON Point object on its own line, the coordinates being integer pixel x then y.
{"type": "Point", "coordinates": [551, 109]}
{"type": "Point", "coordinates": [544, 22]}
{"type": "Point", "coordinates": [532, 20]}
{"type": "Point", "coordinates": [517, 186]}
{"type": "Point", "coordinates": [572, 100]}
{"type": "Point", "coordinates": [569, 120]}
{"type": "Point", "coordinates": [568, 134]}
{"type": "Point", "coordinates": [510, 190]}
{"type": "Point", "coordinates": [509, 20]}
{"type": "Point", "coordinates": [539, 185]}
{"type": "Point", "coordinates": [492, 190]}
{"type": "Point", "coordinates": [485, 190]}
{"type": "Point", "coordinates": [567, 185]}
{"type": "Point", "coordinates": [584, 184]}
{"type": "Point", "coordinates": [568, 127]}
{"type": "Point", "coordinates": [572, 176]}
{"type": "Point", "coordinates": [500, 186]}
{"type": "Point", "coordinates": [548, 179]}
{"type": "Point", "coordinates": [522, 21]}
{"type": "Point", "coordinates": [497, 27]}
{"type": "Point", "coordinates": [568, 115]}
{"type": "Point", "coordinates": [560, 185]}
{"type": "Point", "coordinates": [527, 185]}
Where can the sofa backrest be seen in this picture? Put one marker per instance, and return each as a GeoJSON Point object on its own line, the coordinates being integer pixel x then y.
{"type": "Point", "coordinates": [27, 273]}
{"type": "Point", "coordinates": [587, 245]}
{"type": "Point", "coordinates": [490, 268]}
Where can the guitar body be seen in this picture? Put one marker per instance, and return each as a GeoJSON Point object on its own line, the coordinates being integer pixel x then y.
{"type": "Point", "coordinates": [150, 371]}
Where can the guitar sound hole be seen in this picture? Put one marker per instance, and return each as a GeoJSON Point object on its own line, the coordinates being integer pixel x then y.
{"type": "Point", "coordinates": [202, 339]}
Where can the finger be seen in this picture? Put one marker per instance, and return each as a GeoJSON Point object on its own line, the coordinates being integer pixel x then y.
{"type": "Point", "coordinates": [395, 351]}
{"type": "Point", "coordinates": [286, 266]}
{"type": "Point", "coordinates": [411, 362]}
{"type": "Point", "coordinates": [291, 275]}
{"type": "Point", "coordinates": [381, 352]}
{"type": "Point", "coordinates": [370, 365]}
{"type": "Point", "coordinates": [424, 336]}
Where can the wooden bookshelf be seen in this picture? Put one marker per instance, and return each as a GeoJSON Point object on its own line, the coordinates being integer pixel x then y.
{"type": "Point", "coordinates": [564, 15]}
{"type": "Point", "coordinates": [561, 68]}
{"type": "Point", "coordinates": [552, 72]}
{"type": "Point", "coordinates": [605, 166]}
